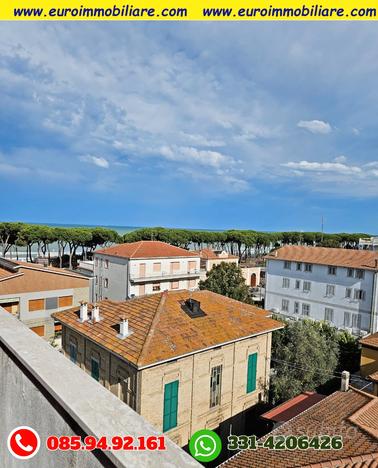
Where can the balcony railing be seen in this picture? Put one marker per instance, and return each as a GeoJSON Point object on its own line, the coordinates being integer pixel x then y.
{"type": "Point", "coordinates": [163, 275]}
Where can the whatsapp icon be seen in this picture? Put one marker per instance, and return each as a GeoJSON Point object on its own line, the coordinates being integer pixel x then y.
{"type": "Point", "coordinates": [205, 445]}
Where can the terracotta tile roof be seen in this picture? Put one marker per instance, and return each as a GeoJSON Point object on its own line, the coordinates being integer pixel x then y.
{"type": "Point", "coordinates": [363, 461]}
{"type": "Point", "coordinates": [363, 259]}
{"type": "Point", "coordinates": [30, 277]}
{"type": "Point", "coordinates": [291, 408]}
{"type": "Point", "coordinates": [374, 377]}
{"type": "Point", "coordinates": [146, 249]}
{"type": "Point", "coordinates": [162, 329]}
{"type": "Point", "coordinates": [370, 340]}
{"type": "Point", "coordinates": [349, 414]}
{"type": "Point", "coordinates": [209, 254]}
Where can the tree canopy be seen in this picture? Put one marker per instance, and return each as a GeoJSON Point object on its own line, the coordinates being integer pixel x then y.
{"type": "Point", "coordinates": [308, 354]}
{"type": "Point", "coordinates": [226, 279]}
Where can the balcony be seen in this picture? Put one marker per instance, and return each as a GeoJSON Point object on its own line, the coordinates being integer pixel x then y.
{"type": "Point", "coordinates": [163, 276]}
{"type": "Point", "coordinates": [42, 389]}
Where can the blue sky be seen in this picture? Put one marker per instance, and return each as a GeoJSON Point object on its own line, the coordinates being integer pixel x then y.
{"type": "Point", "coordinates": [207, 125]}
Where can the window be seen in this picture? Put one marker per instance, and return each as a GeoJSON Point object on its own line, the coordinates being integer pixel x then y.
{"type": "Point", "coordinates": [350, 272]}
{"type": "Point", "coordinates": [36, 304]}
{"type": "Point", "coordinates": [251, 372]}
{"type": "Point", "coordinates": [156, 267]}
{"type": "Point", "coordinates": [106, 264]}
{"type": "Point", "coordinates": [296, 307]}
{"type": "Point", "coordinates": [106, 283]}
{"type": "Point", "coordinates": [96, 279]}
{"type": "Point", "coordinates": [192, 283]}
{"type": "Point", "coordinates": [330, 290]}
{"type": "Point", "coordinates": [95, 369]}
{"type": "Point", "coordinates": [297, 284]}
{"type": "Point", "coordinates": [215, 385]}
{"type": "Point", "coordinates": [101, 262]}
{"type": "Point", "coordinates": [328, 314]}
{"type": "Point", "coordinates": [73, 352]}
{"type": "Point", "coordinates": [192, 265]}
{"type": "Point", "coordinates": [65, 301]}
{"type": "Point", "coordinates": [174, 284]}
{"type": "Point", "coordinates": [96, 261]}
{"type": "Point", "coordinates": [360, 274]}
{"type": "Point", "coordinates": [285, 282]}
{"type": "Point", "coordinates": [306, 309]}
{"type": "Point", "coordinates": [348, 292]}
{"type": "Point", "coordinates": [287, 265]}
{"type": "Point", "coordinates": [306, 286]}
{"type": "Point", "coordinates": [359, 294]}
{"type": "Point", "coordinates": [332, 270]}
{"type": "Point", "coordinates": [299, 266]}
{"type": "Point", "coordinates": [356, 321]}
{"type": "Point", "coordinates": [51, 303]}
{"type": "Point", "coordinates": [308, 267]}
{"type": "Point", "coordinates": [155, 286]}
{"type": "Point", "coordinates": [285, 305]}
{"type": "Point", "coordinates": [170, 405]}
{"type": "Point", "coordinates": [175, 266]}
{"type": "Point", "coordinates": [347, 319]}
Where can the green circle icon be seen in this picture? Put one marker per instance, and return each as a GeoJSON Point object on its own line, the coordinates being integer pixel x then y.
{"type": "Point", "coordinates": [205, 445]}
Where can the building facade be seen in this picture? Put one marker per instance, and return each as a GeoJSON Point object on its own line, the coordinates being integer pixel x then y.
{"type": "Point", "coordinates": [335, 285]}
{"type": "Point", "coordinates": [33, 292]}
{"type": "Point", "coordinates": [369, 355]}
{"type": "Point", "coordinates": [146, 267]}
{"type": "Point", "coordinates": [185, 360]}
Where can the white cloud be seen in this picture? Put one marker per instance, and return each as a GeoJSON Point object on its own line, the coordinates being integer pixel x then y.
{"type": "Point", "coordinates": [315, 126]}
{"type": "Point", "coordinates": [96, 160]}
{"type": "Point", "coordinates": [323, 167]}
{"type": "Point", "coordinates": [192, 155]}
{"type": "Point", "coordinates": [340, 159]}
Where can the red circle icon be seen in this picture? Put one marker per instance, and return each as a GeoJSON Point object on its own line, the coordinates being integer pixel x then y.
{"type": "Point", "coordinates": [23, 442]}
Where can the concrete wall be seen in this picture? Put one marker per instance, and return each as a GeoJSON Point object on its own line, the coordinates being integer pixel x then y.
{"type": "Point", "coordinates": [193, 373]}
{"type": "Point", "coordinates": [39, 387]}
{"type": "Point", "coordinates": [43, 317]}
{"type": "Point", "coordinates": [317, 297]}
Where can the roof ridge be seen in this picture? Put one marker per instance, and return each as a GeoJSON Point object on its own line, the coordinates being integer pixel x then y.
{"type": "Point", "coordinates": [151, 330]}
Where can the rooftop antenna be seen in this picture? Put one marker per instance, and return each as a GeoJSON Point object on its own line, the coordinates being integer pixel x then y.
{"type": "Point", "coordinates": [322, 228]}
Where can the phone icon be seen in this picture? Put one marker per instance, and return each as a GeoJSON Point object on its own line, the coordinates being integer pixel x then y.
{"type": "Point", "coordinates": [203, 446]}
{"type": "Point", "coordinates": [23, 442]}
{"type": "Point", "coordinates": [26, 448]}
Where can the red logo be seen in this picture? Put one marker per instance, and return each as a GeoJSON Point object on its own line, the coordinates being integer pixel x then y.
{"type": "Point", "coordinates": [23, 442]}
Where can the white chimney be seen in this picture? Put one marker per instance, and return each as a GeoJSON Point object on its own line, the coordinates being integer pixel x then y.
{"type": "Point", "coordinates": [345, 376]}
{"type": "Point", "coordinates": [95, 313]}
{"type": "Point", "coordinates": [83, 311]}
{"type": "Point", "coordinates": [123, 328]}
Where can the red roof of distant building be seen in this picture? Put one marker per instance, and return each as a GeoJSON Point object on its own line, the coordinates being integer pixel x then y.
{"type": "Point", "coordinates": [291, 408]}
{"type": "Point", "coordinates": [146, 249]}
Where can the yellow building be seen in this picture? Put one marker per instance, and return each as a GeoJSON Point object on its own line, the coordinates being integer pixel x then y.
{"type": "Point", "coordinates": [183, 360]}
{"type": "Point", "coordinates": [369, 355]}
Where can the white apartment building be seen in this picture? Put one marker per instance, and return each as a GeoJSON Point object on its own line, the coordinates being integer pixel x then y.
{"type": "Point", "coordinates": [335, 285]}
{"type": "Point", "coordinates": [146, 267]}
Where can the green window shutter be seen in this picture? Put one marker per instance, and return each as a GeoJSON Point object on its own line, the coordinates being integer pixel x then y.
{"type": "Point", "coordinates": [252, 372]}
{"type": "Point", "coordinates": [95, 370]}
{"type": "Point", "coordinates": [170, 405]}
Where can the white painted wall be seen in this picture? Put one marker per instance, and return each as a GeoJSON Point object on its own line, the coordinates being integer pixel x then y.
{"type": "Point", "coordinates": [121, 272]}
{"type": "Point", "coordinates": [317, 298]}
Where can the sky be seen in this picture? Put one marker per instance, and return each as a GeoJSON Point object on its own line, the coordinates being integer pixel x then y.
{"type": "Point", "coordinates": [213, 125]}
